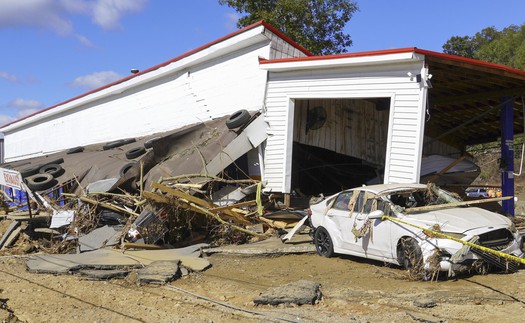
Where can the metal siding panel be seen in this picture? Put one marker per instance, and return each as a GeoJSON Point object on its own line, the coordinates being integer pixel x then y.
{"type": "Point", "coordinates": [350, 82]}
{"type": "Point", "coordinates": [210, 90]}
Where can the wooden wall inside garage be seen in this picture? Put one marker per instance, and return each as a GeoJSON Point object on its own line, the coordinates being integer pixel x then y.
{"type": "Point", "coordinates": [353, 127]}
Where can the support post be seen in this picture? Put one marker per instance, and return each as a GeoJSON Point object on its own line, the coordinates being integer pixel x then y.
{"type": "Point", "coordinates": [507, 156]}
{"type": "Point", "coordinates": [28, 201]}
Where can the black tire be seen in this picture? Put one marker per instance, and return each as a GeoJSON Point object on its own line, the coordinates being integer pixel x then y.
{"type": "Point", "coordinates": [75, 150]}
{"type": "Point", "coordinates": [30, 171]}
{"type": "Point", "coordinates": [56, 161]}
{"type": "Point", "coordinates": [238, 119]}
{"type": "Point", "coordinates": [40, 182]}
{"type": "Point", "coordinates": [117, 143]}
{"type": "Point", "coordinates": [149, 144]}
{"type": "Point", "coordinates": [323, 243]}
{"type": "Point", "coordinates": [135, 152]}
{"type": "Point", "coordinates": [54, 170]}
{"type": "Point", "coordinates": [125, 169]}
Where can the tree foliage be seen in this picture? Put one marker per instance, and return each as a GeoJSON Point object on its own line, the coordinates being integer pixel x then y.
{"type": "Point", "coordinates": [315, 24]}
{"type": "Point", "coordinates": [505, 47]}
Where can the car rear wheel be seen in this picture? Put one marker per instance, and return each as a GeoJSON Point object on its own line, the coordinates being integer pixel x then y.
{"type": "Point", "coordinates": [323, 243]}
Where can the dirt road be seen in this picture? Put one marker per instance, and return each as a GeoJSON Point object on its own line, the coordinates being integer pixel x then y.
{"type": "Point", "coordinates": [353, 290]}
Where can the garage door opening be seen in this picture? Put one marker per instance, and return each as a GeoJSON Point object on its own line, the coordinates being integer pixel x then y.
{"type": "Point", "coordinates": [338, 143]}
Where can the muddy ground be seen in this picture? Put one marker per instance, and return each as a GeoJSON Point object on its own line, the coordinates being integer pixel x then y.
{"type": "Point", "coordinates": [353, 290]}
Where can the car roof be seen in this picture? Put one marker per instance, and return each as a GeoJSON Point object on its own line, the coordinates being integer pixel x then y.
{"type": "Point", "coordinates": [385, 188]}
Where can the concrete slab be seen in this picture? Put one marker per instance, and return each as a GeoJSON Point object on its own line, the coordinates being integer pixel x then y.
{"type": "Point", "coordinates": [99, 259]}
{"type": "Point", "coordinates": [159, 272]}
{"type": "Point", "coordinates": [299, 292]}
{"type": "Point", "coordinates": [302, 244]}
{"type": "Point", "coordinates": [99, 238]}
{"type": "Point", "coordinates": [108, 258]}
{"type": "Point", "coordinates": [103, 274]}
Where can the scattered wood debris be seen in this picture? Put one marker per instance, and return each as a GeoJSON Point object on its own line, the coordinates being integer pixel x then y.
{"type": "Point", "coordinates": [174, 212]}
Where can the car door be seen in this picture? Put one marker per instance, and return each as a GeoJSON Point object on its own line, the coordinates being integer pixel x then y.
{"type": "Point", "coordinates": [373, 235]}
{"type": "Point", "coordinates": [341, 216]}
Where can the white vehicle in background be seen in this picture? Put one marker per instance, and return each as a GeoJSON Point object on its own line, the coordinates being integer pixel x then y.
{"type": "Point", "coordinates": [477, 192]}
{"type": "Point", "coordinates": [353, 222]}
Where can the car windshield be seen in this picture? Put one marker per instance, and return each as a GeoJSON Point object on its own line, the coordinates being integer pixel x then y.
{"type": "Point", "coordinates": [412, 198]}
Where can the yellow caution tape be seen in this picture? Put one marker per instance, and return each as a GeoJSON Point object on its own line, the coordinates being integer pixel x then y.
{"type": "Point", "coordinates": [470, 244]}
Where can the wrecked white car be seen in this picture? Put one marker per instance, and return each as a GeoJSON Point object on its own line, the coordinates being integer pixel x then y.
{"type": "Point", "coordinates": [397, 224]}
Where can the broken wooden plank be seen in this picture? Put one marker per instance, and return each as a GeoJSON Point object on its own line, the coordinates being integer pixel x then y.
{"type": "Point", "coordinates": [232, 206]}
{"type": "Point", "coordinates": [200, 202]}
{"type": "Point", "coordinates": [165, 200]}
{"type": "Point", "coordinates": [199, 209]}
{"type": "Point", "coordinates": [11, 237]}
{"type": "Point", "coordinates": [10, 229]}
{"type": "Point", "coordinates": [101, 204]}
{"type": "Point", "coordinates": [273, 224]}
{"type": "Point", "coordinates": [181, 194]}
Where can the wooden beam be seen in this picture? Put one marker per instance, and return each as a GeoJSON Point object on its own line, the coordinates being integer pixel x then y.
{"type": "Point", "coordinates": [101, 204]}
{"type": "Point", "coordinates": [181, 194]}
{"type": "Point", "coordinates": [455, 204]}
{"type": "Point", "coordinates": [231, 206]}
{"type": "Point", "coordinates": [446, 169]}
{"type": "Point", "coordinates": [478, 97]}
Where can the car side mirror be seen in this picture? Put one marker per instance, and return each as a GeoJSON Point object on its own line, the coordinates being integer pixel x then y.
{"type": "Point", "coordinates": [377, 214]}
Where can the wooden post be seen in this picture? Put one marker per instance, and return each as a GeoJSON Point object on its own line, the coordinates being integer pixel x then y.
{"type": "Point", "coordinates": [28, 205]}
{"type": "Point", "coordinates": [287, 199]}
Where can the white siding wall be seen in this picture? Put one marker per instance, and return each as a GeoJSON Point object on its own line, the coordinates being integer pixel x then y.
{"type": "Point", "coordinates": [406, 114]}
{"type": "Point", "coordinates": [215, 88]}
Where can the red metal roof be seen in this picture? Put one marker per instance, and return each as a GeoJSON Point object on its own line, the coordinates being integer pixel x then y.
{"type": "Point", "coordinates": [397, 51]}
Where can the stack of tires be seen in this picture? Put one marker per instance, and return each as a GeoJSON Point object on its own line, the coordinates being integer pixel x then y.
{"type": "Point", "coordinates": [43, 177]}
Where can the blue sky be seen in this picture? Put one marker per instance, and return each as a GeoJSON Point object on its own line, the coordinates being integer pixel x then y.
{"type": "Point", "coordinates": [53, 50]}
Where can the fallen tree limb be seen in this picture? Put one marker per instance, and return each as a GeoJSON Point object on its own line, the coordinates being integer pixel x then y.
{"type": "Point", "coordinates": [101, 204]}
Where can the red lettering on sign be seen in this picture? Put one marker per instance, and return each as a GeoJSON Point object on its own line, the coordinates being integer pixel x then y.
{"type": "Point", "coordinates": [12, 179]}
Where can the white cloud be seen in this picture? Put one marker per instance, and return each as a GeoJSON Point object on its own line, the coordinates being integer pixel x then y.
{"type": "Point", "coordinates": [95, 80]}
{"type": "Point", "coordinates": [25, 107]}
{"type": "Point", "coordinates": [20, 108]}
{"type": "Point", "coordinates": [50, 14]}
{"type": "Point", "coordinates": [231, 20]}
{"type": "Point", "coordinates": [107, 13]}
{"type": "Point", "coordinates": [8, 77]}
{"type": "Point", "coordinates": [6, 119]}
{"type": "Point", "coordinates": [57, 15]}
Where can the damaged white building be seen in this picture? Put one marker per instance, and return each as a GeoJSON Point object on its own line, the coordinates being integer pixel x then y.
{"type": "Point", "coordinates": [325, 122]}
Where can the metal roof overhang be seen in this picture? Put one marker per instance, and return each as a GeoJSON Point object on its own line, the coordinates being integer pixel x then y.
{"type": "Point", "coordinates": [466, 94]}
{"type": "Point", "coordinates": [466, 98]}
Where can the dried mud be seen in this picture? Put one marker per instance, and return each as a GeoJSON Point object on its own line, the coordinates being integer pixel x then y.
{"type": "Point", "coordinates": [353, 290]}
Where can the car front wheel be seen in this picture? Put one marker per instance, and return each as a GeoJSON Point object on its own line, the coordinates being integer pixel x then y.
{"type": "Point", "coordinates": [323, 243]}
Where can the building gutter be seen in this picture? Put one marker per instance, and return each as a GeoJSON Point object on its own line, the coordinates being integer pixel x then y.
{"type": "Point", "coordinates": [335, 61]}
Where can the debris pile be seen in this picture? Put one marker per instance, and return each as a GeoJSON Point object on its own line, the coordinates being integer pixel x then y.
{"type": "Point", "coordinates": [116, 198]}
{"type": "Point", "coordinates": [114, 228]}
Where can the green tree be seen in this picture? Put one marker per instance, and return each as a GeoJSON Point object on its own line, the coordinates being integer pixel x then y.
{"type": "Point", "coordinates": [505, 47]}
{"type": "Point", "coordinates": [315, 24]}
{"type": "Point", "coordinates": [460, 46]}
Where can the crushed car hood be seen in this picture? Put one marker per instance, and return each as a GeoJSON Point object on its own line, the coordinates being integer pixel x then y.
{"type": "Point", "coordinates": [461, 220]}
